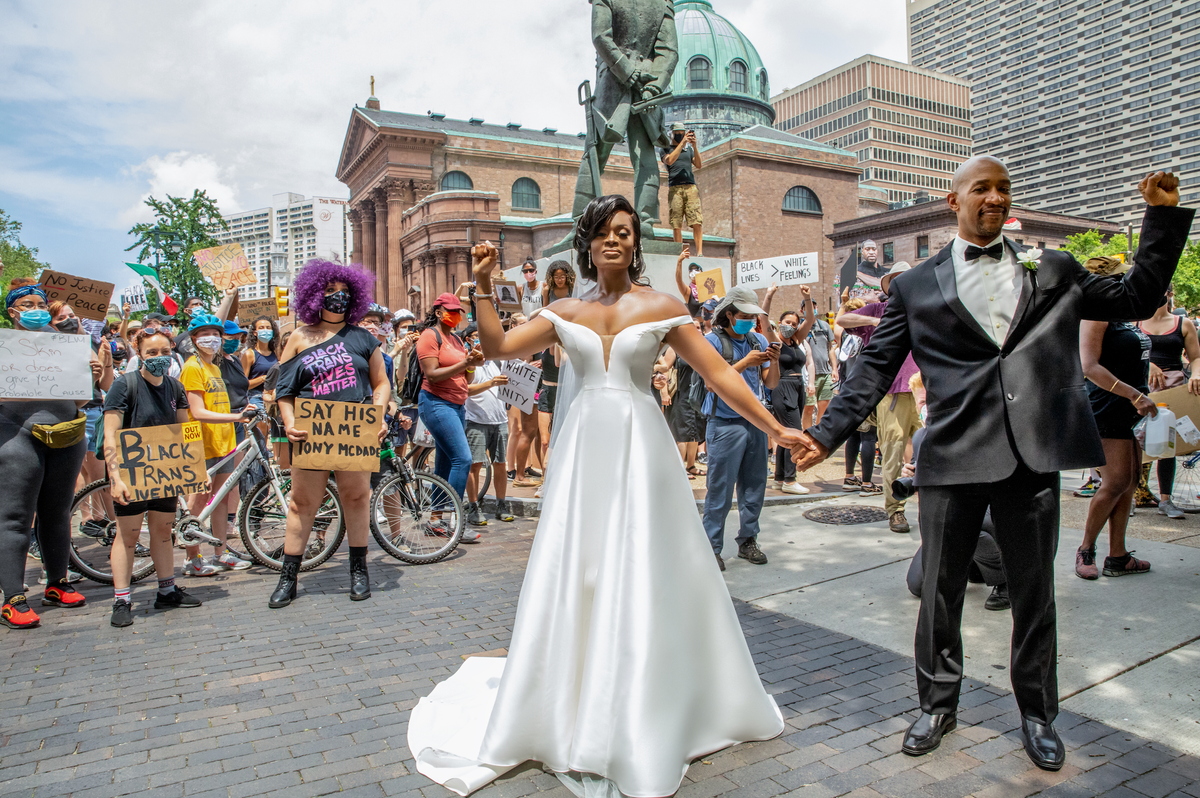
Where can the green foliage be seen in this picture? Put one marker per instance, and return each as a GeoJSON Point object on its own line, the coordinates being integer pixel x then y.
{"type": "Point", "coordinates": [182, 227]}
{"type": "Point", "coordinates": [1187, 278]}
{"type": "Point", "coordinates": [1089, 244]}
{"type": "Point", "coordinates": [19, 260]}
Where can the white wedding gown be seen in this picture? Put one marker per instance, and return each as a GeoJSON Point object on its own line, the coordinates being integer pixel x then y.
{"type": "Point", "coordinates": [627, 660]}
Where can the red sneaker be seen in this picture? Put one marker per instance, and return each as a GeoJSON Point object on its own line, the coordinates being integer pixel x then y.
{"type": "Point", "coordinates": [16, 614]}
{"type": "Point", "coordinates": [62, 595]}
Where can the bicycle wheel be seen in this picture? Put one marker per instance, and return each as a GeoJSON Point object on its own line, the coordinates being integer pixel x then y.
{"type": "Point", "coordinates": [262, 524]}
{"type": "Point", "coordinates": [1186, 495]}
{"type": "Point", "coordinates": [424, 461]}
{"type": "Point", "coordinates": [401, 516]}
{"type": "Point", "coordinates": [485, 479]}
{"type": "Point", "coordinates": [92, 539]}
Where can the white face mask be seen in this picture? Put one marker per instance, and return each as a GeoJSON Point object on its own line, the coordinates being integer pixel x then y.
{"type": "Point", "coordinates": [209, 343]}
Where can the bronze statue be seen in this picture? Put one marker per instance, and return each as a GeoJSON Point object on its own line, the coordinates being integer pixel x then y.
{"type": "Point", "coordinates": [636, 55]}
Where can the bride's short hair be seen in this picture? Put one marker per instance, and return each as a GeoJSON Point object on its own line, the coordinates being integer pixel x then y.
{"type": "Point", "coordinates": [591, 224]}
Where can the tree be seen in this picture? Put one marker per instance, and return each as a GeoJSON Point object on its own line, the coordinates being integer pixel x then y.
{"type": "Point", "coordinates": [16, 259]}
{"type": "Point", "coordinates": [1089, 245]}
{"type": "Point", "coordinates": [181, 227]}
{"type": "Point", "coordinates": [1187, 278]}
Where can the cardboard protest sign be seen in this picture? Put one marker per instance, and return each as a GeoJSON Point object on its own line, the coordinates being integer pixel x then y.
{"type": "Point", "coordinates": [251, 309]}
{"type": "Point", "coordinates": [88, 298]}
{"type": "Point", "coordinates": [784, 270]}
{"type": "Point", "coordinates": [161, 462]}
{"type": "Point", "coordinates": [342, 436]}
{"type": "Point", "coordinates": [37, 365]}
{"type": "Point", "coordinates": [508, 296]}
{"type": "Point", "coordinates": [226, 266]}
{"type": "Point", "coordinates": [1185, 406]}
{"type": "Point", "coordinates": [710, 285]}
{"type": "Point", "coordinates": [522, 384]}
{"type": "Point", "coordinates": [135, 297]}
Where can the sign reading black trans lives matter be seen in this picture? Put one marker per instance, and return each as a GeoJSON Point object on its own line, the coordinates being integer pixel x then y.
{"type": "Point", "coordinates": [160, 462]}
{"type": "Point", "coordinates": [342, 436]}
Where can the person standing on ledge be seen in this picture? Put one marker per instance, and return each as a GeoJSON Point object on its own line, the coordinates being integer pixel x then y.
{"type": "Point", "coordinates": [684, 198]}
{"type": "Point", "coordinates": [994, 330]}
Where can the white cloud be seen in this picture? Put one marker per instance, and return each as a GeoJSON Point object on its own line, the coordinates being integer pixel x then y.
{"type": "Point", "coordinates": [178, 174]}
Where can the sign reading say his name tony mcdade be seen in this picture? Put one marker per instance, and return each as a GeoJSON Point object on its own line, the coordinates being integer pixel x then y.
{"type": "Point", "coordinates": [342, 436]}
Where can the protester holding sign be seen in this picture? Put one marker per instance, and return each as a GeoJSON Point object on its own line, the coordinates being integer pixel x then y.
{"type": "Point", "coordinates": [789, 396]}
{"type": "Point", "coordinates": [41, 451]}
{"type": "Point", "coordinates": [145, 398]}
{"type": "Point", "coordinates": [330, 358]}
{"type": "Point", "coordinates": [208, 403]}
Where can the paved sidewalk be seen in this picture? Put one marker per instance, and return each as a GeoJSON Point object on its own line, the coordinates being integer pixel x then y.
{"type": "Point", "coordinates": [234, 699]}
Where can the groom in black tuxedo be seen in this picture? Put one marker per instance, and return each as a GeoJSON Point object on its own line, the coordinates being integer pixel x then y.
{"type": "Point", "coordinates": [994, 329]}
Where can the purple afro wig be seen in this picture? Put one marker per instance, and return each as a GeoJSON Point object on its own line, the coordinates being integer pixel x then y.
{"type": "Point", "coordinates": [308, 292]}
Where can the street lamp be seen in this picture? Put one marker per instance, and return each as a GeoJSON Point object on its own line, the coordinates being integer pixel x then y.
{"type": "Point", "coordinates": [158, 236]}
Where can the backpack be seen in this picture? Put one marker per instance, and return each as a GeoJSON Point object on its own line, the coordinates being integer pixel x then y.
{"type": "Point", "coordinates": [410, 390]}
{"type": "Point", "coordinates": [727, 354]}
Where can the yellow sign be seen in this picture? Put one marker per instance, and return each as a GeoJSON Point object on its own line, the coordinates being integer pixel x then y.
{"type": "Point", "coordinates": [161, 462]}
{"type": "Point", "coordinates": [226, 266]}
{"type": "Point", "coordinates": [710, 285]}
{"type": "Point", "coordinates": [342, 436]}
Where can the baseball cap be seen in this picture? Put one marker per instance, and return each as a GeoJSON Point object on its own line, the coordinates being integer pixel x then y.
{"type": "Point", "coordinates": [231, 328]}
{"type": "Point", "coordinates": [742, 299]}
{"type": "Point", "coordinates": [447, 302]}
{"type": "Point", "coordinates": [158, 317]}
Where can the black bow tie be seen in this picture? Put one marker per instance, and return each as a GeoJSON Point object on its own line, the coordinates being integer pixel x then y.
{"type": "Point", "coordinates": [995, 251]}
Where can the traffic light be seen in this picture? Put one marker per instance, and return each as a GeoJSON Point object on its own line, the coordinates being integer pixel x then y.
{"type": "Point", "coordinates": [829, 317]}
{"type": "Point", "coordinates": [281, 301]}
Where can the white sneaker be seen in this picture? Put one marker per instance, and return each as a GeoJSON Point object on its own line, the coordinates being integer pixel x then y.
{"type": "Point", "coordinates": [774, 484]}
{"type": "Point", "coordinates": [793, 487]}
{"type": "Point", "coordinates": [228, 562]}
{"type": "Point", "coordinates": [198, 567]}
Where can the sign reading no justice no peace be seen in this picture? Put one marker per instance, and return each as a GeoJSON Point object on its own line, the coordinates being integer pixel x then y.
{"type": "Point", "coordinates": [784, 270]}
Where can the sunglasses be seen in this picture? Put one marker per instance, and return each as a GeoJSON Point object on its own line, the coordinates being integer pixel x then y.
{"type": "Point", "coordinates": [528, 271]}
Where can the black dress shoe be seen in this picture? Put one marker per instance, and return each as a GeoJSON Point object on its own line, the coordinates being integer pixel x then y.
{"type": "Point", "coordinates": [925, 733]}
{"type": "Point", "coordinates": [999, 599]}
{"type": "Point", "coordinates": [1043, 744]}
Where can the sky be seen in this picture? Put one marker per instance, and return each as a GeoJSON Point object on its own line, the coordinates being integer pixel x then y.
{"type": "Point", "coordinates": [106, 102]}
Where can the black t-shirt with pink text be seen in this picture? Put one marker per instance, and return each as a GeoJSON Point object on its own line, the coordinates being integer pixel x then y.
{"type": "Point", "coordinates": [337, 370]}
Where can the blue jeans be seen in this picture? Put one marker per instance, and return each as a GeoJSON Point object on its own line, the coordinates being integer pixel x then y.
{"type": "Point", "coordinates": [737, 457]}
{"type": "Point", "coordinates": [447, 422]}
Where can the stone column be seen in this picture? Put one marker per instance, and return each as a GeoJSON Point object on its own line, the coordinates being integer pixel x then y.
{"type": "Point", "coordinates": [356, 234]}
{"type": "Point", "coordinates": [367, 220]}
{"type": "Point", "coordinates": [396, 202]}
{"type": "Point", "coordinates": [381, 246]}
{"type": "Point", "coordinates": [442, 273]}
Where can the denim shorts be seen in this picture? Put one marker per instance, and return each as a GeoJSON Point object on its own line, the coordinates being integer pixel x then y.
{"type": "Point", "coordinates": [95, 416]}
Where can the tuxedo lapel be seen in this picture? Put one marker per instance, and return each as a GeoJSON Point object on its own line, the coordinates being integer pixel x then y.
{"type": "Point", "coordinates": [1028, 290]}
{"type": "Point", "coordinates": [943, 269]}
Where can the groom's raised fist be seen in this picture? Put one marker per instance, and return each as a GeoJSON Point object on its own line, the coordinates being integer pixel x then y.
{"type": "Point", "coordinates": [1160, 188]}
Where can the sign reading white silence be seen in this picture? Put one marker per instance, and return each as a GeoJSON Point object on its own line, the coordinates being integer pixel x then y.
{"type": "Point", "coordinates": [522, 384]}
{"type": "Point", "coordinates": [38, 365]}
{"type": "Point", "coordinates": [784, 270]}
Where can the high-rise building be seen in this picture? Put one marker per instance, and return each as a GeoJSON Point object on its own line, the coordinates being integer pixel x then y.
{"type": "Point", "coordinates": [910, 127]}
{"type": "Point", "coordinates": [295, 229]}
{"type": "Point", "coordinates": [1080, 98]}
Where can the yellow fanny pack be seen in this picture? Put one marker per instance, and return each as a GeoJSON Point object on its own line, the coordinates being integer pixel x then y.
{"type": "Point", "coordinates": [60, 436]}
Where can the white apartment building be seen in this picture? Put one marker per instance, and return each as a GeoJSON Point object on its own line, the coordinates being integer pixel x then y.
{"type": "Point", "coordinates": [295, 229]}
{"type": "Point", "coordinates": [1080, 98]}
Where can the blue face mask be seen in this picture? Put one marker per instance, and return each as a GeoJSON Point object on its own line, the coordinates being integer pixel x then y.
{"type": "Point", "coordinates": [231, 346]}
{"type": "Point", "coordinates": [266, 335]}
{"type": "Point", "coordinates": [158, 366]}
{"type": "Point", "coordinates": [34, 319]}
{"type": "Point", "coordinates": [743, 326]}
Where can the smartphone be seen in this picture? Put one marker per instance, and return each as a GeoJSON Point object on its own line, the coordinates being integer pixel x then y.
{"type": "Point", "coordinates": [777, 345]}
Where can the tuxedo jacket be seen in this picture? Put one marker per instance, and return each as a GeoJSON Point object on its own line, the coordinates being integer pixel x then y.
{"type": "Point", "coordinates": [990, 404]}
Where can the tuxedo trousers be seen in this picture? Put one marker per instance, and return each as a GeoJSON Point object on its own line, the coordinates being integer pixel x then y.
{"type": "Point", "coordinates": [1025, 510]}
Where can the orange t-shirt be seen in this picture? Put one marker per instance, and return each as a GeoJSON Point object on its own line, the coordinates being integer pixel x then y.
{"type": "Point", "coordinates": [450, 353]}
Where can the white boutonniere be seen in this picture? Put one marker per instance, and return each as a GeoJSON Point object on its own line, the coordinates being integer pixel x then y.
{"type": "Point", "coordinates": [1029, 258]}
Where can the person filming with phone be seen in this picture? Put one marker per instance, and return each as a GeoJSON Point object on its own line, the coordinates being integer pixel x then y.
{"type": "Point", "coordinates": [682, 161]}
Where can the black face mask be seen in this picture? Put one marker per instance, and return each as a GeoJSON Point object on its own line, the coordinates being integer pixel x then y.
{"type": "Point", "coordinates": [337, 302]}
{"type": "Point", "coordinates": [68, 326]}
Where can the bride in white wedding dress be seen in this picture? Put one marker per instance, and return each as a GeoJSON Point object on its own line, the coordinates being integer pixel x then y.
{"type": "Point", "coordinates": [627, 660]}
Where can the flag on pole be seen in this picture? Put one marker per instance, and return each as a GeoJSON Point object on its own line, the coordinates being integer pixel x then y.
{"type": "Point", "coordinates": [147, 273]}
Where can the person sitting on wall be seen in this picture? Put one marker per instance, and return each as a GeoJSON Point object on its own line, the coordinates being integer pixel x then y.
{"type": "Point", "coordinates": [684, 197]}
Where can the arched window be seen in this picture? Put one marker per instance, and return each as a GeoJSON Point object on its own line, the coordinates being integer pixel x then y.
{"type": "Point", "coordinates": [737, 76]}
{"type": "Point", "coordinates": [764, 86]}
{"type": "Point", "coordinates": [526, 195]}
{"type": "Point", "coordinates": [699, 73]}
{"type": "Point", "coordinates": [801, 199]}
{"type": "Point", "coordinates": [456, 181]}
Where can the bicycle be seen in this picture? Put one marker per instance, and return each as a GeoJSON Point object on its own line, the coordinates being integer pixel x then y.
{"type": "Point", "coordinates": [403, 505]}
{"type": "Point", "coordinates": [1186, 495]}
{"type": "Point", "coordinates": [261, 521]}
{"type": "Point", "coordinates": [423, 458]}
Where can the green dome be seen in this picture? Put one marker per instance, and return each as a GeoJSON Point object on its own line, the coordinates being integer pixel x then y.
{"type": "Point", "coordinates": [714, 56]}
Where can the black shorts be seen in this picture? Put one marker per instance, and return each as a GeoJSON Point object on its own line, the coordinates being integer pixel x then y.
{"type": "Point", "coordinates": [547, 397]}
{"type": "Point", "coordinates": [150, 505]}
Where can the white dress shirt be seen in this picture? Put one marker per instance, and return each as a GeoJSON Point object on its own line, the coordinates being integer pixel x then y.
{"type": "Point", "coordinates": [988, 288]}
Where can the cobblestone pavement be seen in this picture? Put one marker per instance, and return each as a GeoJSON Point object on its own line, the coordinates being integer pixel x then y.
{"type": "Point", "coordinates": [234, 699]}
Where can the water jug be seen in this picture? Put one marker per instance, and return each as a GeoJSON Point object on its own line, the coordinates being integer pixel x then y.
{"type": "Point", "coordinates": [1160, 434]}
